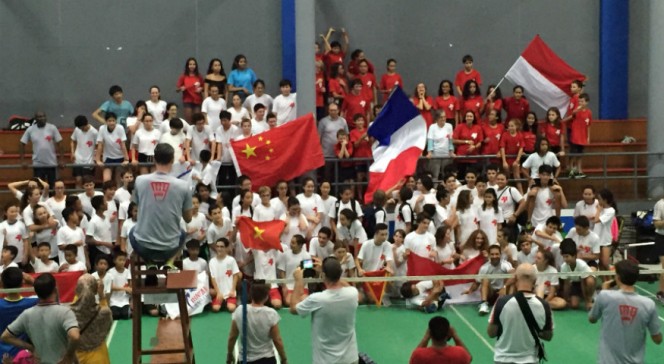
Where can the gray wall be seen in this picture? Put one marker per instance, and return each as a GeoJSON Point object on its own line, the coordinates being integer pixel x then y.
{"type": "Point", "coordinates": [429, 38]}
{"type": "Point", "coordinates": [62, 55]}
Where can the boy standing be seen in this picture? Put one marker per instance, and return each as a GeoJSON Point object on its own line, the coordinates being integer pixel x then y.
{"type": "Point", "coordinates": [220, 227]}
{"type": "Point", "coordinates": [71, 234]}
{"type": "Point", "coordinates": [99, 237]}
{"type": "Point", "coordinates": [14, 233]}
{"type": "Point", "coordinates": [120, 287]}
{"type": "Point", "coordinates": [580, 135]}
{"type": "Point", "coordinates": [83, 141]}
{"type": "Point", "coordinates": [45, 140]}
{"type": "Point", "coordinates": [284, 105]}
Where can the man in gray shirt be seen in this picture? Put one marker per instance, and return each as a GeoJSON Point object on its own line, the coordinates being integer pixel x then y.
{"type": "Point", "coordinates": [327, 131]}
{"type": "Point", "coordinates": [45, 140]}
{"type": "Point", "coordinates": [625, 316]}
{"type": "Point", "coordinates": [163, 201]}
{"type": "Point", "coordinates": [52, 328]}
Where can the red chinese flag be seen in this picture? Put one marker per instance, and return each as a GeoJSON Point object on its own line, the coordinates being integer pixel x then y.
{"type": "Point", "coordinates": [419, 266]}
{"type": "Point", "coordinates": [260, 235]}
{"type": "Point", "coordinates": [375, 290]}
{"type": "Point", "coordinates": [281, 153]}
{"type": "Point", "coordinates": [66, 283]}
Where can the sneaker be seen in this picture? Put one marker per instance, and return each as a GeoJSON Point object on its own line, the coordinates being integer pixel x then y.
{"type": "Point", "coordinates": [484, 308]}
{"type": "Point", "coordinates": [572, 174]}
{"type": "Point", "coordinates": [431, 308]}
{"type": "Point", "coordinates": [386, 301]}
{"type": "Point", "coordinates": [580, 175]}
{"type": "Point", "coordinates": [441, 300]}
{"type": "Point", "coordinates": [660, 297]}
{"type": "Point", "coordinates": [170, 267]}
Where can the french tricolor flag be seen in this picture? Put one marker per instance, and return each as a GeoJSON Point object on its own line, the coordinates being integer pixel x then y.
{"type": "Point", "coordinates": [400, 132]}
{"type": "Point", "coordinates": [545, 76]}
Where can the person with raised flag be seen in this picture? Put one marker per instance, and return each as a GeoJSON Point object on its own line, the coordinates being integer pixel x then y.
{"type": "Point", "coordinates": [400, 132]}
{"type": "Point", "coordinates": [546, 75]}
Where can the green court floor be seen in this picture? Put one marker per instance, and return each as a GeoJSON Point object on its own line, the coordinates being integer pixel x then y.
{"type": "Point", "coordinates": [389, 335]}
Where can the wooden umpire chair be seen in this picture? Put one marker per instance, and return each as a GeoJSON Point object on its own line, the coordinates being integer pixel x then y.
{"type": "Point", "coordinates": [174, 284]}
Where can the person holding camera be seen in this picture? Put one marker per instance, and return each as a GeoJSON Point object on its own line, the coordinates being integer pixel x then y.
{"type": "Point", "coordinates": [332, 312]}
{"type": "Point", "coordinates": [262, 329]}
{"type": "Point", "coordinates": [439, 333]}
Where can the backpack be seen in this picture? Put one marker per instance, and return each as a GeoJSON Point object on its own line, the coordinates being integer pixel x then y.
{"type": "Point", "coordinates": [337, 204]}
{"type": "Point", "coordinates": [412, 213]}
{"type": "Point", "coordinates": [19, 122]}
{"type": "Point", "coordinates": [369, 220]}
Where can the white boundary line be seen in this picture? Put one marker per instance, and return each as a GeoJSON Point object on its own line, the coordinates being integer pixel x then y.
{"type": "Point", "coordinates": [488, 345]}
{"type": "Point", "coordinates": [651, 295]}
{"type": "Point", "coordinates": [110, 334]}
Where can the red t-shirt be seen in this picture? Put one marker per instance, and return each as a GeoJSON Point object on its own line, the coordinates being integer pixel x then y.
{"type": "Point", "coordinates": [464, 132]}
{"type": "Point", "coordinates": [387, 83]}
{"type": "Point", "coordinates": [331, 58]}
{"type": "Point", "coordinates": [496, 105]}
{"type": "Point", "coordinates": [491, 143]}
{"type": "Point", "coordinates": [580, 125]}
{"type": "Point", "coordinates": [450, 106]}
{"type": "Point", "coordinates": [552, 134]}
{"type": "Point", "coordinates": [349, 148]}
{"type": "Point", "coordinates": [190, 95]}
{"type": "Point", "coordinates": [426, 114]}
{"type": "Point", "coordinates": [354, 104]}
{"type": "Point", "coordinates": [320, 87]}
{"type": "Point", "coordinates": [363, 149]}
{"type": "Point", "coordinates": [474, 104]}
{"type": "Point", "coordinates": [516, 109]}
{"type": "Point", "coordinates": [445, 355]}
{"type": "Point", "coordinates": [462, 77]}
{"type": "Point", "coordinates": [337, 86]}
{"type": "Point", "coordinates": [528, 141]}
{"type": "Point", "coordinates": [573, 104]}
{"type": "Point", "coordinates": [368, 86]}
{"type": "Point", "coordinates": [511, 144]}
{"type": "Point", "coordinates": [354, 67]}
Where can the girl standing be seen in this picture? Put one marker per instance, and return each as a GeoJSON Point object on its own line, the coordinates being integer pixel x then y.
{"type": "Point", "coordinates": [215, 76]}
{"type": "Point", "coordinates": [490, 216]}
{"type": "Point", "coordinates": [604, 219]}
{"type": "Point", "coordinates": [190, 84]}
{"type": "Point", "coordinates": [242, 78]}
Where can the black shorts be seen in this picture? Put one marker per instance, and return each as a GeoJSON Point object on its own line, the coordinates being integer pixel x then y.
{"type": "Point", "coordinates": [575, 148]}
{"type": "Point", "coordinates": [593, 263]}
{"type": "Point", "coordinates": [361, 168]}
{"type": "Point", "coordinates": [144, 158]}
{"type": "Point", "coordinates": [575, 289]}
{"type": "Point", "coordinates": [83, 171]}
{"type": "Point", "coordinates": [113, 161]}
{"type": "Point", "coordinates": [346, 173]}
{"type": "Point", "coordinates": [658, 250]}
{"type": "Point", "coordinates": [555, 149]}
{"type": "Point", "coordinates": [523, 158]}
{"type": "Point", "coordinates": [191, 105]}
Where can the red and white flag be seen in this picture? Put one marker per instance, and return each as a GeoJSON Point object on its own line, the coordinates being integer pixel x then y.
{"type": "Point", "coordinates": [545, 76]}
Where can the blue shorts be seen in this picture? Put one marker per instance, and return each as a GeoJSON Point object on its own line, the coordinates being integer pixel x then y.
{"type": "Point", "coordinates": [153, 255]}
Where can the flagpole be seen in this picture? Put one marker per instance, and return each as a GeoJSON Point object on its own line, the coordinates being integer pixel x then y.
{"type": "Point", "coordinates": [497, 85]}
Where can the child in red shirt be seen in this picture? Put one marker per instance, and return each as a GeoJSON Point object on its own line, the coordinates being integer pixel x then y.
{"type": "Point", "coordinates": [344, 150]}
{"type": "Point", "coordinates": [320, 91]}
{"type": "Point", "coordinates": [529, 134]}
{"type": "Point", "coordinates": [554, 131]}
{"type": "Point", "coordinates": [577, 89]}
{"type": "Point", "coordinates": [354, 65]}
{"type": "Point", "coordinates": [472, 100]}
{"type": "Point", "coordinates": [492, 134]}
{"type": "Point", "coordinates": [424, 103]}
{"type": "Point", "coordinates": [579, 135]}
{"type": "Point", "coordinates": [390, 79]}
{"type": "Point", "coordinates": [368, 82]}
{"type": "Point", "coordinates": [468, 137]}
{"type": "Point", "coordinates": [517, 106]}
{"type": "Point", "coordinates": [337, 84]}
{"type": "Point", "coordinates": [354, 103]}
{"type": "Point", "coordinates": [446, 102]}
{"type": "Point", "coordinates": [511, 143]}
{"type": "Point", "coordinates": [335, 52]}
{"type": "Point", "coordinates": [361, 144]}
{"type": "Point", "coordinates": [190, 83]}
{"type": "Point", "coordinates": [494, 101]}
{"type": "Point", "coordinates": [468, 73]}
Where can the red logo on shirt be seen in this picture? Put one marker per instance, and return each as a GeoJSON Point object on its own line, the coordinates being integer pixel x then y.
{"type": "Point", "coordinates": [494, 222]}
{"type": "Point", "coordinates": [382, 257]}
{"type": "Point", "coordinates": [206, 141]}
{"type": "Point", "coordinates": [270, 262]}
{"type": "Point", "coordinates": [19, 237]}
{"type": "Point", "coordinates": [316, 210]}
{"type": "Point", "coordinates": [159, 189]}
{"type": "Point", "coordinates": [586, 249]}
{"type": "Point", "coordinates": [229, 273]}
{"type": "Point", "coordinates": [180, 146]}
{"type": "Point", "coordinates": [154, 141]}
{"type": "Point", "coordinates": [428, 247]}
{"type": "Point", "coordinates": [503, 199]}
{"type": "Point", "coordinates": [627, 313]}
{"type": "Point", "coordinates": [49, 138]}
{"type": "Point", "coordinates": [54, 231]}
{"type": "Point", "coordinates": [549, 201]}
{"type": "Point", "coordinates": [89, 143]}
{"type": "Point", "coordinates": [118, 141]}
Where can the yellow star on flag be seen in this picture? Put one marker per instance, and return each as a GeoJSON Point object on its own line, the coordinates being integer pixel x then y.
{"type": "Point", "coordinates": [258, 233]}
{"type": "Point", "coordinates": [268, 142]}
{"type": "Point", "coordinates": [249, 151]}
{"type": "Point", "coordinates": [260, 138]}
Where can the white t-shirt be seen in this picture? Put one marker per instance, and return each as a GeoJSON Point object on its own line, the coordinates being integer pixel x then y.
{"type": "Point", "coordinates": [581, 267]}
{"type": "Point", "coordinates": [508, 200]}
{"type": "Point", "coordinates": [212, 108]}
{"type": "Point", "coordinates": [587, 244]}
{"type": "Point", "coordinates": [441, 138]}
{"type": "Point", "coordinates": [543, 206]}
{"type": "Point", "coordinates": [444, 253]}
{"type": "Point", "coordinates": [374, 257]}
{"type": "Point", "coordinates": [79, 266]}
{"type": "Point", "coordinates": [107, 281]}
{"type": "Point", "coordinates": [548, 280]}
{"type": "Point", "coordinates": [420, 244]}
{"type": "Point", "coordinates": [222, 271]}
{"type": "Point", "coordinates": [334, 211]}
{"type": "Point", "coordinates": [124, 233]}
{"type": "Point", "coordinates": [100, 229]}
{"type": "Point", "coordinates": [66, 236]}
{"type": "Point", "coordinates": [41, 267]}
{"type": "Point", "coordinates": [259, 126]}
{"type": "Point", "coordinates": [199, 140]}
{"type": "Point", "coordinates": [501, 268]}
{"type": "Point", "coordinates": [509, 253]}
{"type": "Point", "coordinates": [347, 265]}
{"type": "Point", "coordinates": [289, 261]}
{"type": "Point", "coordinates": [332, 324]}
{"type": "Point", "coordinates": [527, 258]}
{"type": "Point", "coordinates": [157, 109]}
{"type": "Point", "coordinates": [658, 214]}
{"type": "Point", "coordinates": [215, 232]}
{"type": "Point", "coordinates": [328, 205]}
{"type": "Point", "coordinates": [583, 209]}
{"type": "Point", "coordinates": [86, 142]}
{"type": "Point", "coordinates": [399, 261]}
{"type": "Point", "coordinates": [28, 214]}
{"type": "Point", "coordinates": [176, 141]}
{"type": "Point", "coordinates": [199, 265]}
{"type": "Point", "coordinates": [165, 127]}
{"type": "Point", "coordinates": [120, 279]}
{"type": "Point", "coordinates": [122, 195]}
{"type": "Point", "coordinates": [488, 220]}
{"type": "Point", "coordinates": [86, 202]}
{"type": "Point", "coordinates": [265, 213]}
{"type": "Point", "coordinates": [260, 321]}
{"type": "Point", "coordinates": [355, 231]}
{"type": "Point", "coordinates": [404, 215]}
{"type": "Point", "coordinates": [238, 115]}
{"type": "Point", "coordinates": [312, 205]}
{"type": "Point", "coordinates": [467, 223]}
{"type": "Point", "coordinates": [293, 228]}
{"type": "Point", "coordinates": [145, 141]}
{"type": "Point", "coordinates": [225, 137]}
{"type": "Point", "coordinates": [322, 252]}
{"type": "Point", "coordinates": [265, 264]}
{"type": "Point", "coordinates": [603, 228]}
{"type": "Point", "coordinates": [285, 108]}
{"type": "Point", "coordinates": [200, 222]}
{"type": "Point", "coordinates": [534, 161]}
{"type": "Point", "coordinates": [252, 100]}
{"type": "Point", "coordinates": [56, 207]}
{"type": "Point", "coordinates": [112, 140]}
{"type": "Point", "coordinates": [428, 198]}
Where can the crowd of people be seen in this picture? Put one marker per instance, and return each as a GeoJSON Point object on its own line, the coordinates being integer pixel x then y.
{"type": "Point", "coordinates": [454, 209]}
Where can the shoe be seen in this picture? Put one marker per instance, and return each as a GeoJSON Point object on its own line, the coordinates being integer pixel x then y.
{"type": "Point", "coordinates": [386, 301]}
{"type": "Point", "coordinates": [441, 300]}
{"type": "Point", "coordinates": [170, 267]}
{"type": "Point", "coordinates": [431, 308]}
{"type": "Point", "coordinates": [151, 279]}
{"type": "Point", "coordinates": [580, 175]}
{"type": "Point", "coordinates": [484, 308]}
{"type": "Point", "coordinates": [572, 174]}
{"type": "Point", "coordinates": [660, 297]}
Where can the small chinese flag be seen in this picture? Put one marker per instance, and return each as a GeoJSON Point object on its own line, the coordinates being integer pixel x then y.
{"type": "Point", "coordinates": [260, 235]}
{"type": "Point", "coordinates": [281, 153]}
{"type": "Point", "coordinates": [375, 290]}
